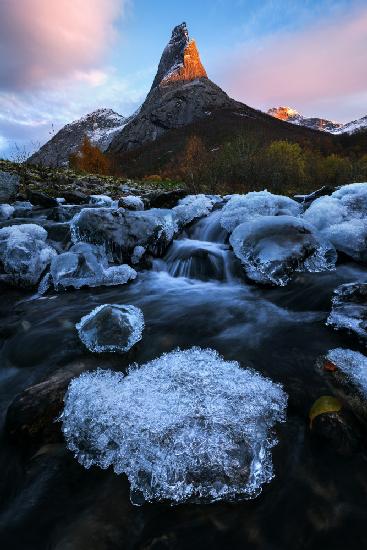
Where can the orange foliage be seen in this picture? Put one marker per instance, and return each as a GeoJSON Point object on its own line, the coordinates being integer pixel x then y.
{"type": "Point", "coordinates": [90, 159]}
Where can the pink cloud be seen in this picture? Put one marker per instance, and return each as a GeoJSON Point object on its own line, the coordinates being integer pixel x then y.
{"type": "Point", "coordinates": [323, 67]}
{"type": "Point", "coordinates": [42, 40]}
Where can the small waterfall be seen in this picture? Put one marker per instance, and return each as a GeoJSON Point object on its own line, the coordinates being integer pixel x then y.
{"type": "Point", "coordinates": [201, 253]}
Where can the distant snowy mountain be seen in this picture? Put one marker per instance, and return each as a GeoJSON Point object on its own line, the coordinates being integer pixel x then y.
{"type": "Point", "coordinates": [100, 126]}
{"type": "Point", "coordinates": [294, 117]}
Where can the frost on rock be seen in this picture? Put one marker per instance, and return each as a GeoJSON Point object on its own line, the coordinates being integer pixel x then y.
{"type": "Point", "coordinates": [193, 206]}
{"type": "Point", "coordinates": [24, 254]}
{"type": "Point", "coordinates": [137, 254]}
{"type": "Point", "coordinates": [111, 327]}
{"type": "Point", "coordinates": [351, 363]}
{"type": "Point", "coordinates": [120, 231]}
{"type": "Point", "coordinates": [272, 248]}
{"type": "Point", "coordinates": [87, 265]}
{"type": "Point", "coordinates": [349, 309]}
{"type": "Point", "coordinates": [101, 200]}
{"type": "Point", "coordinates": [342, 219]}
{"type": "Point", "coordinates": [6, 211]}
{"type": "Point", "coordinates": [243, 208]}
{"type": "Point", "coordinates": [132, 202]}
{"type": "Point", "coordinates": [185, 426]}
{"type": "Point", "coordinates": [22, 209]}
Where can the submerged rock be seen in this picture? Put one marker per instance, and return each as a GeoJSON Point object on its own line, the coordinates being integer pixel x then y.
{"type": "Point", "coordinates": [185, 426]}
{"type": "Point", "coordinates": [111, 327]}
{"type": "Point", "coordinates": [9, 185]}
{"type": "Point", "coordinates": [243, 208]}
{"type": "Point", "coordinates": [24, 254]}
{"type": "Point", "coordinates": [349, 309]}
{"type": "Point", "coordinates": [120, 231]}
{"type": "Point", "coordinates": [86, 265]}
{"type": "Point", "coordinates": [342, 219]}
{"type": "Point", "coordinates": [273, 248]}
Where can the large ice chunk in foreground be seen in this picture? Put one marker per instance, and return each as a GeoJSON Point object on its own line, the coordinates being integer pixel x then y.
{"type": "Point", "coordinates": [187, 425]}
{"type": "Point", "coordinates": [243, 208]}
{"type": "Point", "coordinates": [272, 248]}
{"type": "Point", "coordinates": [342, 219]}
{"type": "Point", "coordinates": [193, 206]}
{"type": "Point", "coordinates": [353, 364]}
{"type": "Point", "coordinates": [86, 265]}
{"type": "Point", "coordinates": [111, 327]}
{"type": "Point", "coordinates": [349, 309]}
{"type": "Point", "coordinates": [24, 254]}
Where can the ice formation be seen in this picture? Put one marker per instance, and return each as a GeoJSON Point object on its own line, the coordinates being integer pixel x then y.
{"type": "Point", "coordinates": [244, 208]}
{"type": "Point", "coordinates": [137, 254]}
{"type": "Point", "coordinates": [186, 426]}
{"type": "Point", "coordinates": [272, 248]}
{"type": "Point", "coordinates": [342, 219]}
{"type": "Point", "coordinates": [111, 327]}
{"type": "Point", "coordinates": [6, 211]}
{"type": "Point", "coordinates": [132, 202]}
{"type": "Point", "coordinates": [193, 206]}
{"type": "Point", "coordinates": [24, 254]}
{"type": "Point", "coordinates": [349, 309]}
{"type": "Point", "coordinates": [353, 364]}
{"type": "Point", "coordinates": [101, 200]}
{"type": "Point", "coordinates": [22, 209]}
{"type": "Point", "coordinates": [87, 265]}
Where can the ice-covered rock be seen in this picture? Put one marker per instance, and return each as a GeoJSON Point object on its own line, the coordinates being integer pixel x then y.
{"type": "Point", "coordinates": [87, 265]}
{"type": "Point", "coordinates": [22, 209]}
{"type": "Point", "coordinates": [349, 309]}
{"type": "Point", "coordinates": [244, 208]}
{"type": "Point", "coordinates": [193, 206]}
{"type": "Point", "coordinates": [120, 231]}
{"type": "Point", "coordinates": [111, 327]}
{"type": "Point", "coordinates": [272, 248]}
{"type": "Point", "coordinates": [101, 200]}
{"type": "Point", "coordinates": [6, 211]}
{"type": "Point", "coordinates": [24, 254]}
{"type": "Point", "coordinates": [132, 202]}
{"type": "Point", "coordinates": [186, 426]}
{"type": "Point", "coordinates": [352, 364]}
{"type": "Point", "coordinates": [137, 254]}
{"type": "Point", "coordinates": [342, 219]}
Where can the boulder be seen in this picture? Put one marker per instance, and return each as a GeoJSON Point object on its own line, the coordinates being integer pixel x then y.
{"type": "Point", "coordinates": [166, 199]}
{"type": "Point", "coordinates": [9, 185]}
{"type": "Point", "coordinates": [41, 199]}
{"type": "Point", "coordinates": [131, 202]}
{"type": "Point", "coordinates": [75, 197]}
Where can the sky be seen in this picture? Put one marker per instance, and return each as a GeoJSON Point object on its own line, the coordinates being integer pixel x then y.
{"type": "Point", "coordinates": [60, 59]}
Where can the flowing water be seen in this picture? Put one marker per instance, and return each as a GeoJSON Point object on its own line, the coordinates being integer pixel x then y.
{"type": "Point", "coordinates": [195, 296]}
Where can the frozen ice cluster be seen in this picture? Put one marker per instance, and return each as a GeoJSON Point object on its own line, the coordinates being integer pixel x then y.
{"type": "Point", "coordinates": [24, 254]}
{"type": "Point", "coordinates": [244, 208]}
{"type": "Point", "coordinates": [102, 200]}
{"type": "Point", "coordinates": [111, 327]}
{"type": "Point", "coordinates": [349, 309]}
{"type": "Point", "coordinates": [351, 363]}
{"type": "Point", "coordinates": [342, 219]}
{"type": "Point", "coordinates": [87, 265]}
{"type": "Point", "coordinates": [193, 206]}
{"type": "Point", "coordinates": [6, 211]}
{"type": "Point", "coordinates": [132, 202]}
{"type": "Point", "coordinates": [186, 426]}
{"type": "Point", "coordinates": [272, 248]}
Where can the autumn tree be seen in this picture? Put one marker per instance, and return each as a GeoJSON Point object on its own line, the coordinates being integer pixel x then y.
{"type": "Point", "coordinates": [89, 159]}
{"type": "Point", "coordinates": [193, 162]}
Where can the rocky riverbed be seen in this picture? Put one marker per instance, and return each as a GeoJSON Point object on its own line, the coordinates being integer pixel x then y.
{"type": "Point", "coordinates": [184, 371]}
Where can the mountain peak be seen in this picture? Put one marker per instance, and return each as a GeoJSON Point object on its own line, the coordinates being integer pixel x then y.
{"type": "Point", "coordinates": [284, 113]}
{"type": "Point", "coordinates": [180, 59]}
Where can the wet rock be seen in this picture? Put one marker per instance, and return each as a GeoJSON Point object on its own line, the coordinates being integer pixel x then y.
{"type": "Point", "coordinates": [64, 213]}
{"type": "Point", "coordinates": [22, 209]}
{"type": "Point", "coordinates": [111, 328]}
{"type": "Point", "coordinates": [349, 309]}
{"type": "Point", "coordinates": [167, 199]}
{"type": "Point", "coordinates": [31, 418]}
{"type": "Point", "coordinates": [120, 231]}
{"type": "Point", "coordinates": [9, 185]}
{"type": "Point", "coordinates": [24, 254]}
{"type": "Point", "coordinates": [340, 430]}
{"type": "Point", "coordinates": [41, 199]}
{"type": "Point", "coordinates": [273, 248]}
{"type": "Point", "coordinates": [308, 199]}
{"type": "Point", "coordinates": [75, 197]}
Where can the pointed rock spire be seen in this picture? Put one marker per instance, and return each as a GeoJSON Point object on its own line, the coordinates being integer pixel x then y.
{"type": "Point", "coordinates": [180, 60]}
